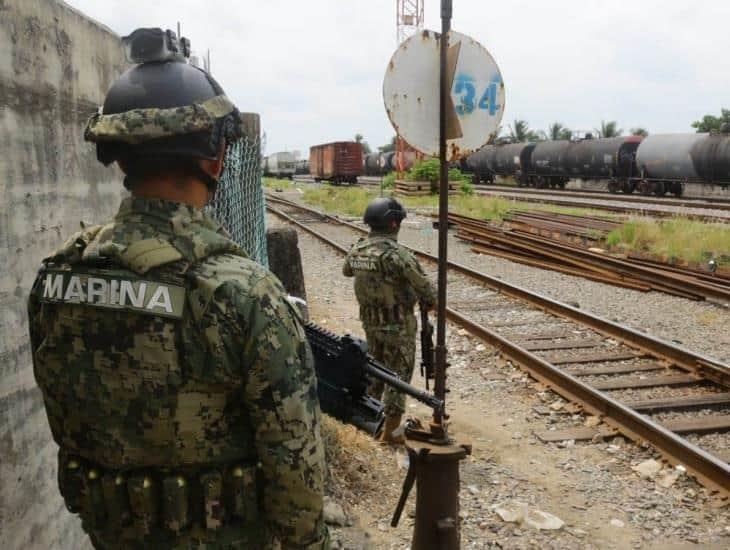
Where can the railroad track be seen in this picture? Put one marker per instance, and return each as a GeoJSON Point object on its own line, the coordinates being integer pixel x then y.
{"type": "Point", "coordinates": [640, 386]}
{"type": "Point", "coordinates": [546, 252]}
{"type": "Point", "coordinates": [701, 210]}
{"type": "Point", "coordinates": [717, 203]}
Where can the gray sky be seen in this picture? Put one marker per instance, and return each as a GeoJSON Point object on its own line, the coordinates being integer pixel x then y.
{"type": "Point", "coordinates": [314, 69]}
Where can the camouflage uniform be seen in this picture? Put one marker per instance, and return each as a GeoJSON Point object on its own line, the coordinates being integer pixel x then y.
{"type": "Point", "coordinates": [179, 386]}
{"type": "Point", "coordinates": [388, 283]}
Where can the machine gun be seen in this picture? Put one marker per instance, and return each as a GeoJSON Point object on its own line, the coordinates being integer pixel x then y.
{"type": "Point", "coordinates": [427, 354]}
{"type": "Point", "coordinates": [343, 369]}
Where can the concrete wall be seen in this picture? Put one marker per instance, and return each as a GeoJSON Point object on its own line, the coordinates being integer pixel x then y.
{"type": "Point", "coordinates": [55, 68]}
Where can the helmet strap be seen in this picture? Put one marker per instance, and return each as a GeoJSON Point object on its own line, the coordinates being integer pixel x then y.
{"type": "Point", "coordinates": [210, 182]}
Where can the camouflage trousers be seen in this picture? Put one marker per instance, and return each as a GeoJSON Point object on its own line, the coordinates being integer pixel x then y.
{"type": "Point", "coordinates": [397, 351]}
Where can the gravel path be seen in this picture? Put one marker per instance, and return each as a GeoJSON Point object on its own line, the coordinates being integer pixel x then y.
{"type": "Point", "coordinates": [590, 487]}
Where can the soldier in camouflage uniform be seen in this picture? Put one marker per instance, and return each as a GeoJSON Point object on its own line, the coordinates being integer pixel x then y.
{"type": "Point", "coordinates": [388, 283]}
{"type": "Point", "coordinates": [177, 378]}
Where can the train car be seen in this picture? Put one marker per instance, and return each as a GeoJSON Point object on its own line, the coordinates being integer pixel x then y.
{"type": "Point", "coordinates": [546, 164]}
{"type": "Point", "coordinates": [301, 167]}
{"type": "Point", "coordinates": [372, 165]}
{"type": "Point", "coordinates": [338, 162]}
{"type": "Point", "coordinates": [478, 164]}
{"type": "Point", "coordinates": [666, 162]}
{"type": "Point", "coordinates": [511, 160]}
{"type": "Point", "coordinates": [657, 164]}
{"type": "Point", "coordinates": [611, 159]}
{"type": "Point", "coordinates": [280, 165]}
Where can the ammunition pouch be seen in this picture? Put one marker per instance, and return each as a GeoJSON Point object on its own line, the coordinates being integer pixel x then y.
{"type": "Point", "coordinates": [381, 317]}
{"type": "Point", "coordinates": [149, 500]}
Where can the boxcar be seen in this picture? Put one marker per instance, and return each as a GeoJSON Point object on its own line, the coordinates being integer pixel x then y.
{"type": "Point", "coordinates": [338, 162]}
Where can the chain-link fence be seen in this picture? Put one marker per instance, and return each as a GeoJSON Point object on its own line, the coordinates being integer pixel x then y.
{"type": "Point", "coordinates": [239, 201]}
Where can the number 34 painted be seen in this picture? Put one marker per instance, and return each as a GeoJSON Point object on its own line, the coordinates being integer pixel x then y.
{"type": "Point", "coordinates": [464, 85]}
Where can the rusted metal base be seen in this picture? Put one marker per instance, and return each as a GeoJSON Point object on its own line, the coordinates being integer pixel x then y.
{"type": "Point", "coordinates": [437, 493]}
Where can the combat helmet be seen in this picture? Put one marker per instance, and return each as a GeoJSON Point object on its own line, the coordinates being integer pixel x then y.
{"type": "Point", "coordinates": [382, 211]}
{"type": "Point", "coordinates": [163, 106]}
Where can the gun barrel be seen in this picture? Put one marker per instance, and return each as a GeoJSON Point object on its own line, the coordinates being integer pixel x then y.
{"type": "Point", "coordinates": [376, 371]}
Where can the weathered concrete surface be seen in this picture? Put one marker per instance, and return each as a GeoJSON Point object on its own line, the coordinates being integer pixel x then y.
{"type": "Point", "coordinates": [285, 260]}
{"type": "Point", "coordinates": [55, 67]}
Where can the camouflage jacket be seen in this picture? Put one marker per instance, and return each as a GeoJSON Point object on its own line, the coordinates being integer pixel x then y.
{"type": "Point", "coordinates": [388, 282]}
{"type": "Point", "coordinates": [158, 345]}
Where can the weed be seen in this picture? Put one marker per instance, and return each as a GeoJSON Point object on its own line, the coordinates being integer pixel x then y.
{"type": "Point", "coordinates": [278, 184]}
{"type": "Point", "coordinates": [351, 201]}
{"type": "Point", "coordinates": [389, 180]}
{"type": "Point", "coordinates": [675, 239]}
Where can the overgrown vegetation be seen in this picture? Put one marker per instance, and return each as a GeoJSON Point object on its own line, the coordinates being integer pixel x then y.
{"type": "Point", "coordinates": [276, 184]}
{"type": "Point", "coordinates": [389, 180]}
{"type": "Point", "coordinates": [350, 201]}
{"type": "Point", "coordinates": [677, 239]}
{"type": "Point", "coordinates": [430, 170]}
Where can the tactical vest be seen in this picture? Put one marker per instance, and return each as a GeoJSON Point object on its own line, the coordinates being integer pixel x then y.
{"type": "Point", "coordinates": [386, 300]}
{"type": "Point", "coordinates": [142, 394]}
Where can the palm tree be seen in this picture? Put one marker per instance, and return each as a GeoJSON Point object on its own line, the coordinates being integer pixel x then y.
{"type": "Point", "coordinates": [388, 147]}
{"type": "Point", "coordinates": [519, 130]}
{"type": "Point", "coordinates": [609, 129]}
{"type": "Point", "coordinates": [557, 131]}
{"type": "Point", "coordinates": [364, 144]}
{"type": "Point", "coordinates": [639, 132]}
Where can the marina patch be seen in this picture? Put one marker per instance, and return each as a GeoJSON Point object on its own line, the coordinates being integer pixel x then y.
{"type": "Point", "coordinates": [98, 290]}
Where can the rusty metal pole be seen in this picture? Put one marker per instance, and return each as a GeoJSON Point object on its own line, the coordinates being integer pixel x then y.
{"type": "Point", "coordinates": [434, 456]}
{"type": "Point", "coordinates": [444, 93]}
{"type": "Point", "coordinates": [437, 494]}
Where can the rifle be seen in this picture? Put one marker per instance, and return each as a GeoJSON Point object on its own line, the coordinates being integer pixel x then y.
{"type": "Point", "coordinates": [343, 369]}
{"type": "Point", "coordinates": [427, 354]}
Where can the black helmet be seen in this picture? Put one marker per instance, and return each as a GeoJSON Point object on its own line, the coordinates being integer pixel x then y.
{"type": "Point", "coordinates": [382, 211]}
{"type": "Point", "coordinates": [163, 106]}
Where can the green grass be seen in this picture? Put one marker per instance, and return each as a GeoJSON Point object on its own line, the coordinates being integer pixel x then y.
{"type": "Point", "coordinates": [278, 184]}
{"type": "Point", "coordinates": [675, 239]}
{"type": "Point", "coordinates": [352, 201]}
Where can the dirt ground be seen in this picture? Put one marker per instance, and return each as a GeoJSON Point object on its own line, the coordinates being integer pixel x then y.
{"type": "Point", "coordinates": [591, 487]}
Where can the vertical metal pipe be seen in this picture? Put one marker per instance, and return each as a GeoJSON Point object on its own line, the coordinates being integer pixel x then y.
{"type": "Point", "coordinates": [440, 375]}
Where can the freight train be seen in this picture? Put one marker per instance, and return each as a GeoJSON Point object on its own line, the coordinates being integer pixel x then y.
{"type": "Point", "coordinates": [656, 164]}
{"type": "Point", "coordinates": [280, 165]}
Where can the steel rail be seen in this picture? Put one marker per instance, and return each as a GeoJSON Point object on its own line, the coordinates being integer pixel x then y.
{"type": "Point", "coordinates": [477, 231]}
{"type": "Point", "coordinates": [637, 210]}
{"type": "Point", "coordinates": [716, 203]}
{"type": "Point", "coordinates": [707, 366]}
{"type": "Point", "coordinates": [708, 469]}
